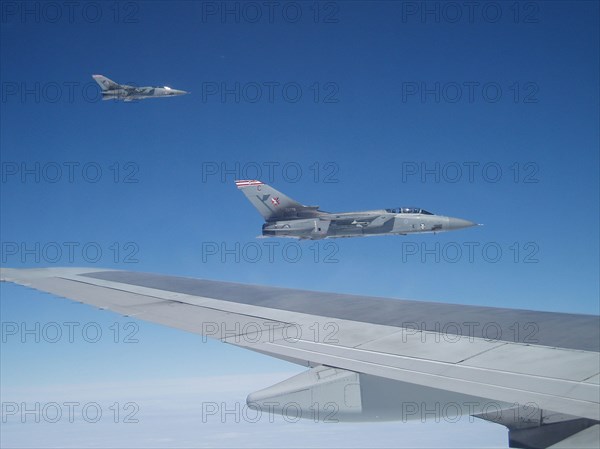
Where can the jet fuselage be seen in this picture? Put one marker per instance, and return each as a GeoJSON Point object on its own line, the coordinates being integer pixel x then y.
{"type": "Point", "coordinates": [356, 224]}
{"type": "Point", "coordinates": [115, 91]}
{"type": "Point", "coordinates": [285, 217]}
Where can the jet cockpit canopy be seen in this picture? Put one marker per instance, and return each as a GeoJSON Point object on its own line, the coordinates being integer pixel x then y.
{"type": "Point", "coordinates": [408, 210]}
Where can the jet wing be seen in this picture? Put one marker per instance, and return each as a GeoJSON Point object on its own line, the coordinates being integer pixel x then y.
{"type": "Point", "coordinates": [538, 373]}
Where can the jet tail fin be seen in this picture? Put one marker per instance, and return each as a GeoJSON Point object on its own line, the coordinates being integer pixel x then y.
{"type": "Point", "coordinates": [105, 84]}
{"type": "Point", "coordinates": [270, 203]}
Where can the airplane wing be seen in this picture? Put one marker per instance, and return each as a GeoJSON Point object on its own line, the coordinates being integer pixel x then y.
{"type": "Point", "coordinates": [369, 359]}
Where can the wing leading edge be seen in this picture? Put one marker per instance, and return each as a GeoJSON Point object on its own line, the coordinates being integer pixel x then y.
{"type": "Point", "coordinates": [374, 358]}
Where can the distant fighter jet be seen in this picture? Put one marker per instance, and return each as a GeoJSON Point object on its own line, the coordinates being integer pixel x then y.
{"type": "Point", "coordinates": [115, 91]}
{"type": "Point", "coordinates": [286, 217]}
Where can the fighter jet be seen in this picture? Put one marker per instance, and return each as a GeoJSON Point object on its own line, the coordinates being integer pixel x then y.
{"type": "Point", "coordinates": [115, 91]}
{"type": "Point", "coordinates": [285, 217]}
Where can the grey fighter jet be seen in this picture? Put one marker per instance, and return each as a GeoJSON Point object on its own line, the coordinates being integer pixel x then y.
{"type": "Point", "coordinates": [115, 91]}
{"type": "Point", "coordinates": [286, 217]}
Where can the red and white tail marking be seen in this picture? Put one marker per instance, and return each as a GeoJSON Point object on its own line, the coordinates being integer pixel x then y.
{"type": "Point", "coordinates": [247, 183]}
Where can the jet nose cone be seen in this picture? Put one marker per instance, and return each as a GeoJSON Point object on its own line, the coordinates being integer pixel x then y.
{"type": "Point", "coordinates": [459, 223]}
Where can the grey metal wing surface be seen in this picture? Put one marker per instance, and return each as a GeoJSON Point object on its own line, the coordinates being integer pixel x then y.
{"type": "Point", "coordinates": [369, 359]}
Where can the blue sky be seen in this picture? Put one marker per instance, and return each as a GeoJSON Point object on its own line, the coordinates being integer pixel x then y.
{"type": "Point", "coordinates": [392, 103]}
